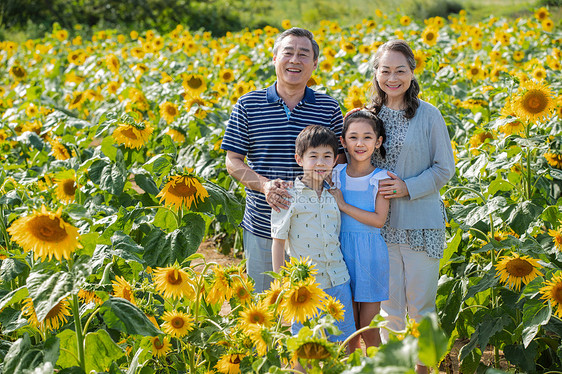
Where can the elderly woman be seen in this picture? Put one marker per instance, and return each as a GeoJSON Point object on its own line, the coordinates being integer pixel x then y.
{"type": "Point", "coordinates": [420, 157]}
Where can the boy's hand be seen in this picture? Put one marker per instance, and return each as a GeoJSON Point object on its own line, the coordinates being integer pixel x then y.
{"type": "Point", "coordinates": [276, 194]}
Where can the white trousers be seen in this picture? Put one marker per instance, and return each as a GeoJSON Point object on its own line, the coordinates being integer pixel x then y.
{"type": "Point", "coordinates": [412, 287]}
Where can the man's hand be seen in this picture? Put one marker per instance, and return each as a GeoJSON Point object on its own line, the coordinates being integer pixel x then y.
{"type": "Point", "coordinates": [276, 194]}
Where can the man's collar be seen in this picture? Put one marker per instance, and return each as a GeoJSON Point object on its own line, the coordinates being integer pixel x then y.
{"type": "Point", "coordinates": [273, 96]}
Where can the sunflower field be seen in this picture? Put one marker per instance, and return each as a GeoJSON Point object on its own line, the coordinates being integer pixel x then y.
{"type": "Point", "coordinates": [112, 176]}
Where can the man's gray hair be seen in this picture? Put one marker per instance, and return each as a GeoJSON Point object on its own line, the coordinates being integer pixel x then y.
{"type": "Point", "coordinates": [298, 32]}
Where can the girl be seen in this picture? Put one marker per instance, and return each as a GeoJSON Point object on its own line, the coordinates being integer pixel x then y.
{"type": "Point", "coordinates": [363, 213]}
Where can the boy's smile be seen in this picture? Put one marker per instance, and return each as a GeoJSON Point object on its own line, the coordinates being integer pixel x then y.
{"type": "Point", "coordinates": [317, 163]}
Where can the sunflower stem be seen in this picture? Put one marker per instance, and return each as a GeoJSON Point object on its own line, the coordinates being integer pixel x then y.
{"type": "Point", "coordinates": [78, 328]}
{"type": "Point", "coordinates": [85, 328]}
{"type": "Point", "coordinates": [4, 230]}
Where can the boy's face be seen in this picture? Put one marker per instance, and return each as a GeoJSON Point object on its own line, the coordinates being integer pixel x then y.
{"type": "Point", "coordinates": [317, 163]}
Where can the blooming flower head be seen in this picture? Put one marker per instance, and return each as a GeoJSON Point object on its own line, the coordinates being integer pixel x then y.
{"type": "Point", "coordinates": [183, 190]}
{"type": "Point", "coordinates": [334, 307]}
{"type": "Point", "coordinates": [177, 324]}
{"type": "Point", "coordinates": [132, 135]}
{"type": "Point", "coordinates": [173, 282]}
{"type": "Point", "coordinates": [55, 318]}
{"type": "Point", "coordinates": [160, 346]}
{"type": "Point", "coordinates": [534, 101]}
{"type": "Point", "coordinates": [122, 288]}
{"type": "Point", "coordinates": [552, 291]}
{"type": "Point", "coordinates": [45, 233]}
{"type": "Point", "coordinates": [302, 301]}
{"type": "Point", "coordinates": [229, 363]}
{"type": "Point", "coordinates": [556, 237]}
{"type": "Point", "coordinates": [514, 270]}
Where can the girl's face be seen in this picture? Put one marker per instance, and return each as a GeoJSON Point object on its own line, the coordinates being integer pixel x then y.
{"type": "Point", "coordinates": [394, 76]}
{"type": "Point", "coordinates": [361, 140]}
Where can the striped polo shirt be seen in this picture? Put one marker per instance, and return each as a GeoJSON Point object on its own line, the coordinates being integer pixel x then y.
{"type": "Point", "coordinates": [261, 129]}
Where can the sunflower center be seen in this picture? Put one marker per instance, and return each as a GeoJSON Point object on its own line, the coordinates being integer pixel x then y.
{"type": "Point", "coordinates": [69, 187]}
{"type": "Point", "coordinates": [158, 344]}
{"type": "Point", "coordinates": [18, 72]}
{"type": "Point", "coordinates": [257, 318]}
{"type": "Point", "coordinates": [129, 133]}
{"type": "Point", "coordinates": [519, 268]}
{"type": "Point", "coordinates": [429, 36]}
{"type": "Point", "coordinates": [303, 295]}
{"type": "Point", "coordinates": [55, 311]}
{"type": "Point", "coordinates": [313, 351]}
{"type": "Point", "coordinates": [47, 229]}
{"type": "Point", "coordinates": [171, 111]}
{"type": "Point", "coordinates": [557, 293]}
{"type": "Point", "coordinates": [183, 189]}
{"type": "Point", "coordinates": [177, 322]}
{"type": "Point", "coordinates": [227, 76]}
{"type": "Point", "coordinates": [194, 83]}
{"type": "Point", "coordinates": [535, 102]}
{"type": "Point", "coordinates": [77, 99]}
{"type": "Point", "coordinates": [234, 359]}
{"type": "Point", "coordinates": [174, 277]}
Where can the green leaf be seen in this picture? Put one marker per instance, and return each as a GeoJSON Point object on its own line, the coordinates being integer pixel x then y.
{"type": "Point", "coordinates": [488, 281]}
{"type": "Point", "coordinates": [163, 249]}
{"type": "Point", "coordinates": [535, 314]}
{"type": "Point", "coordinates": [109, 176]}
{"type": "Point", "coordinates": [21, 357]}
{"type": "Point", "coordinates": [101, 351]}
{"type": "Point", "coordinates": [147, 184]}
{"type": "Point", "coordinates": [14, 297]}
{"type": "Point", "coordinates": [397, 356]}
{"type": "Point", "coordinates": [221, 203]}
{"type": "Point", "coordinates": [165, 219]}
{"type": "Point", "coordinates": [499, 185]}
{"type": "Point", "coordinates": [67, 341]}
{"type": "Point", "coordinates": [490, 325]}
{"type": "Point", "coordinates": [471, 360]}
{"type": "Point", "coordinates": [432, 345]}
{"type": "Point", "coordinates": [47, 289]}
{"type": "Point", "coordinates": [11, 268]}
{"type": "Point", "coordinates": [452, 247]}
{"type": "Point", "coordinates": [552, 214]}
{"type": "Point", "coordinates": [521, 356]}
{"type": "Point", "coordinates": [108, 148]}
{"type": "Point", "coordinates": [449, 302]}
{"type": "Point", "coordinates": [522, 216]}
{"type": "Point", "coordinates": [122, 315]}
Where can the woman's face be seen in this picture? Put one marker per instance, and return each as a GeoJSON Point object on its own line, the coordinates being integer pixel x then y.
{"type": "Point", "coordinates": [394, 76]}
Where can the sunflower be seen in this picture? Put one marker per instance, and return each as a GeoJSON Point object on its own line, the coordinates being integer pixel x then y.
{"type": "Point", "coordinates": [242, 290]}
{"type": "Point", "coordinates": [518, 56]}
{"type": "Point", "coordinates": [66, 189]}
{"type": "Point", "coordinates": [539, 73]}
{"type": "Point", "coordinates": [513, 127]}
{"type": "Point", "coordinates": [46, 234]}
{"type": "Point", "coordinates": [122, 288]}
{"type": "Point", "coordinates": [313, 81]}
{"type": "Point", "coordinates": [326, 66]}
{"type": "Point", "coordinates": [89, 296]}
{"type": "Point", "coordinates": [547, 25]}
{"type": "Point", "coordinates": [405, 20]}
{"type": "Point", "coordinates": [307, 347]}
{"type": "Point", "coordinates": [132, 135]}
{"type": "Point", "coordinates": [260, 335]}
{"type": "Point", "coordinates": [176, 135]}
{"type": "Point", "coordinates": [177, 324]}
{"type": "Point", "coordinates": [112, 63]}
{"type": "Point", "coordinates": [480, 138]}
{"type": "Point", "coordinates": [173, 282]}
{"type": "Point", "coordinates": [220, 289]}
{"type": "Point", "coordinates": [554, 159]}
{"type": "Point", "coordinates": [534, 101]}
{"type": "Point", "coordinates": [272, 294]}
{"type": "Point", "coordinates": [52, 321]}
{"type": "Point", "coordinates": [299, 270]}
{"type": "Point", "coordinates": [286, 24]}
{"type": "Point", "coordinates": [18, 72]}
{"type": "Point", "coordinates": [542, 14]}
{"type": "Point", "coordinates": [475, 73]}
{"type": "Point", "coordinates": [429, 35]}
{"type": "Point", "coordinates": [60, 152]}
{"type": "Point", "coordinates": [301, 301]}
{"type": "Point", "coordinates": [226, 75]}
{"type": "Point", "coordinates": [353, 101]}
{"type": "Point", "coordinates": [334, 307]}
{"type": "Point", "coordinates": [229, 363]}
{"type": "Point", "coordinates": [160, 346]}
{"type": "Point", "coordinates": [420, 58]}
{"type": "Point", "coordinates": [194, 84]}
{"type": "Point", "coordinates": [556, 237]}
{"type": "Point", "coordinates": [77, 100]}
{"type": "Point", "coordinates": [552, 291]}
{"type": "Point", "coordinates": [515, 269]}
{"type": "Point", "coordinates": [182, 191]}
{"type": "Point", "coordinates": [168, 111]}
{"type": "Point", "coordinates": [255, 315]}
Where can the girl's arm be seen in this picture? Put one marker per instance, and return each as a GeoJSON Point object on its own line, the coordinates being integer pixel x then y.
{"type": "Point", "coordinates": [278, 254]}
{"type": "Point", "coordinates": [375, 219]}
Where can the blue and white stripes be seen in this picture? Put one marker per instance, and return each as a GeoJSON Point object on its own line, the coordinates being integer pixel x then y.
{"type": "Point", "coordinates": [259, 129]}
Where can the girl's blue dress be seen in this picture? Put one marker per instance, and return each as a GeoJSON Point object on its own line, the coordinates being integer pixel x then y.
{"type": "Point", "coordinates": [364, 250]}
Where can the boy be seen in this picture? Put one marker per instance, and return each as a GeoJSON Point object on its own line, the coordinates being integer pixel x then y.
{"type": "Point", "coordinates": [312, 222]}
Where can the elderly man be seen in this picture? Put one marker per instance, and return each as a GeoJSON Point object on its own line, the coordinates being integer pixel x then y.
{"type": "Point", "coordinates": [262, 128]}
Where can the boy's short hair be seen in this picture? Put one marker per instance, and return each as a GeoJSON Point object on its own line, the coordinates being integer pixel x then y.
{"type": "Point", "coordinates": [315, 136]}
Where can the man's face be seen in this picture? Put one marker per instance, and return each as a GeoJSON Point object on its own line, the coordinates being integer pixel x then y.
{"type": "Point", "coordinates": [294, 62]}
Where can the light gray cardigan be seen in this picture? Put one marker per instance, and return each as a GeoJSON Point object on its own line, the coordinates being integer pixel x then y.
{"type": "Point", "coordinates": [426, 163]}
